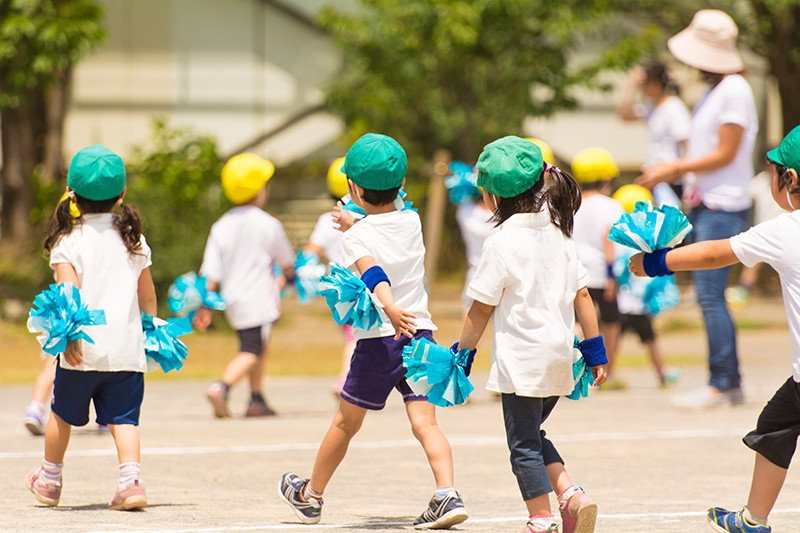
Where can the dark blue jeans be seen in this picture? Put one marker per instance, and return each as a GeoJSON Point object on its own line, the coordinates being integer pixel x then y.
{"type": "Point", "coordinates": [530, 450]}
{"type": "Point", "coordinates": [723, 361]}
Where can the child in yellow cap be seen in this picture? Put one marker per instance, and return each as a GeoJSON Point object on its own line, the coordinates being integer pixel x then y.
{"type": "Point", "coordinates": [241, 249]}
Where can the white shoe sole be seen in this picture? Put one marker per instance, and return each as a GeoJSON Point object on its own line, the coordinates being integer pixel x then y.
{"type": "Point", "coordinates": [34, 427]}
{"type": "Point", "coordinates": [449, 519]}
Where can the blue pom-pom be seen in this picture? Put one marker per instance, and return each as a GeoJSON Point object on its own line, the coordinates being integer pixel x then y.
{"type": "Point", "coordinates": [59, 315]}
{"type": "Point", "coordinates": [655, 294]}
{"type": "Point", "coordinates": [349, 299]}
{"type": "Point", "coordinates": [308, 271]}
{"type": "Point", "coordinates": [649, 228]}
{"type": "Point", "coordinates": [399, 202]}
{"type": "Point", "coordinates": [189, 292]}
{"type": "Point", "coordinates": [161, 343]}
{"type": "Point", "coordinates": [436, 372]}
{"type": "Point", "coordinates": [581, 373]}
{"type": "Point", "coordinates": [462, 185]}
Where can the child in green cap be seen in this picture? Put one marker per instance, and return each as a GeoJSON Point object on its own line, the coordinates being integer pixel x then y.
{"type": "Point", "coordinates": [773, 242]}
{"type": "Point", "coordinates": [385, 248]}
{"type": "Point", "coordinates": [106, 256]}
{"type": "Point", "coordinates": [531, 284]}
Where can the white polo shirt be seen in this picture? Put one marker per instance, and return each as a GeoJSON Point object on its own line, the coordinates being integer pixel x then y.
{"type": "Point", "coordinates": [531, 273]}
{"type": "Point", "coordinates": [109, 280]}
{"type": "Point", "coordinates": [729, 102]}
{"type": "Point", "coordinates": [242, 246]}
{"type": "Point", "coordinates": [394, 239]}
{"type": "Point", "coordinates": [773, 242]}
{"type": "Point", "coordinates": [593, 221]}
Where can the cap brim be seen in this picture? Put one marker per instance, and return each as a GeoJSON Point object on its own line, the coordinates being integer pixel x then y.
{"type": "Point", "coordinates": [691, 51]}
{"type": "Point", "coordinates": [775, 155]}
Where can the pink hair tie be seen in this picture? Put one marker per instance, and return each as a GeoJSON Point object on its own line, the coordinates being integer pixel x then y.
{"type": "Point", "coordinates": [548, 167]}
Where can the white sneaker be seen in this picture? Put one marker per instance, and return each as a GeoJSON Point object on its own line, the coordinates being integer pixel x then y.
{"type": "Point", "coordinates": [702, 398]}
{"type": "Point", "coordinates": [34, 418]}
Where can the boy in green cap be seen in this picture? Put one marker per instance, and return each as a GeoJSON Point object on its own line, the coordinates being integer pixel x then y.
{"type": "Point", "coordinates": [385, 248]}
{"type": "Point", "coordinates": [776, 243]}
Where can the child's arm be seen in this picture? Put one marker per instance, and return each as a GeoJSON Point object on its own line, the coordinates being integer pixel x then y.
{"type": "Point", "coordinates": [65, 273]}
{"type": "Point", "coordinates": [147, 293]}
{"type": "Point", "coordinates": [202, 317]}
{"type": "Point", "coordinates": [402, 321]}
{"type": "Point", "coordinates": [584, 308]}
{"type": "Point", "coordinates": [610, 291]}
{"type": "Point", "coordinates": [474, 325]}
{"type": "Point", "coordinates": [696, 256]}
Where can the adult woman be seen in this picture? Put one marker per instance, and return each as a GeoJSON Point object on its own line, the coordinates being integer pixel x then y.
{"type": "Point", "coordinates": [718, 167]}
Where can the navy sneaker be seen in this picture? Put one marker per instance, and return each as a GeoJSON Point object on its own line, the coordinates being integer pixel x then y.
{"type": "Point", "coordinates": [725, 521]}
{"type": "Point", "coordinates": [290, 490]}
{"type": "Point", "coordinates": [442, 513]}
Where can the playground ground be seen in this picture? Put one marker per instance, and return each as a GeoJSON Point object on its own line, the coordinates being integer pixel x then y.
{"type": "Point", "coordinates": [649, 466]}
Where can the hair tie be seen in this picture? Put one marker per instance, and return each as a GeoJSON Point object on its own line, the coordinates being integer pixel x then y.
{"type": "Point", "coordinates": [548, 167]}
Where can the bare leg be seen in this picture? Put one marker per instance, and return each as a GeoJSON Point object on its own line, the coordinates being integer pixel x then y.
{"type": "Point", "coordinates": [422, 416]}
{"type": "Point", "coordinates": [657, 359]}
{"type": "Point", "coordinates": [346, 423]}
{"type": "Point", "coordinates": [43, 385]}
{"type": "Point", "coordinates": [559, 479]}
{"type": "Point", "coordinates": [240, 366]}
{"type": "Point", "coordinates": [539, 505]}
{"type": "Point", "coordinates": [126, 437]}
{"type": "Point", "coordinates": [256, 374]}
{"type": "Point", "coordinates": [768, 479]}
{"type": "Point", "coordinates": [56, 439]}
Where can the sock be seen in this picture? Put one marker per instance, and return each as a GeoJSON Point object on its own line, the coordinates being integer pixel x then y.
{"type": "Point", "coordinates": [752, 519]}
{"type": "Point", "coordinates": [568, 493]}
{"type": "Point", "coordinates": [129, 472]}
{"type": "Point", "coordinates": [256, 396]}
{"type": "Point", "coordinates": [442, 492]}
{"type": "Point", "coordinates": [308, 493]}
{"type": "Point", "coordinates": [51, 472]}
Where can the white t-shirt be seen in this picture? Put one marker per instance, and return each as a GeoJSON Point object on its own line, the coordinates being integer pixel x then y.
{"type": "Point", "coordinates": [773, 243]}
{"type": "Point", "coordinates": [475, 224]}
{"type": "Point", "coordinates": [764, 205]}
{"type": "Point", "coordinates": [394, 240]}
{"type": "Point", "coordinates": [109, 280]}
{"type": "Point", "coordinates": [531, 273]}
{"type": "Point", "coordinates": [730, 102]}
{"type": "Point", "coordinates": [327, 237]}
{"type": "Point", "coordinates": [242, 246]}
{"type": "Point", "coordinates": [668, 126]}
{"type": "Point", "coordinates": [592, 222]}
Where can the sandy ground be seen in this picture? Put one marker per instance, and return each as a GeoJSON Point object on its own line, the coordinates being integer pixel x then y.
{"type": "Point", "coordinates": [650, 466]}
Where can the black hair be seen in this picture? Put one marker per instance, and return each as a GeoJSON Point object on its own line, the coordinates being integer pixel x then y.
{"type": "Point", "coordinates": [128, 222]}
{"type": "Point", "coordinates": [594, 185]}
{"type": "Point", "coordinates": [563, 197]}
{"type": "Point", "coordinates": [712, 78]}
{"type": "Point", "coordinates": [376, 197]}
{"type": "Point", "coordinates": [783, 177]}
{"type": "Point", "coordinates": [658, 72]}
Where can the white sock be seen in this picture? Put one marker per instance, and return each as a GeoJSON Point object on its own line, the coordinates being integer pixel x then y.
{"type": "Point", "coordinates": [51, 471]}
{"type": "Point", "coordinates": [442, 492]}
{"type": "Point", "coordinates": [308, 493]}
{"type": "Point", "coordinates": [753, 519]}
{"type": "Point", "coordinates": [568, 493]}
{"type": "Point", "coordinates": [129, 472]}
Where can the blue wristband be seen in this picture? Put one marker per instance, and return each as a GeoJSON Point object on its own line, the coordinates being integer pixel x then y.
{"type": "Point", "coordinates": [610, 271]}
{"type": "Point", "coordinates": [464, 359]}
{"type": "Point", "coordinates": [593, 351]}
{"type": "Point", "coordinates": [655, 263]}
{"type": "Point", "coordinates": [374, 275]}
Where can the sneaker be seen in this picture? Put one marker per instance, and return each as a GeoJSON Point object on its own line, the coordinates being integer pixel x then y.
{"type": "Point", "coordinates": [47, 492]}
{"type": "Point", "coordinates": [217, 395]}
{"type": "Point", "coordinates": [542, 524]}
{"type": "Point", "coordinates": [737, 297]}
{"type": "Point", "coordinates": [725, 521]}
{"type": "Point", "coordinates": [442, 512]}
{"type": "Point", "coordinates": [578, 513]}
{"type": "Point", "coordinates": [131, 496]}
{"type": "Point", "coordinates": [290, 489]}
{"type": "Point", "coordinates": [258, 407]}
{"type": "Point", "coordinates": [34, 419]}
{"type": "Point", "coordinates": [703, 398]}
{"type": "Point", "coordinates": [614, 383]}
{"type": "Point", "coordinates": [672, 375]}
{"type": "Point", "coordinates": [735, 396]}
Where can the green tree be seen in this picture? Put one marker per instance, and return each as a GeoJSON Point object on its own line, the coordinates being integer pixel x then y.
{"type": "Point", "coordinates": [40, 42]}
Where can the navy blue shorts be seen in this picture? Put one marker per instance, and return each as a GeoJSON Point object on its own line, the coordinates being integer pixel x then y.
{"type": "Point", "coordinates": [376, 368]}
{"type": "Point", "coordinates": [117, 396]}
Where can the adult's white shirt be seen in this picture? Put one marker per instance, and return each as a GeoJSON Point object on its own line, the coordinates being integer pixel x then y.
{"type": "Point", "coordinates": [530, 272]}
{"type": "Point", "coordinates": [771, 242]}
{"type": "Point", "coordinates": [474, 222]}
{"type": "Point", "coordinates": [394, 240]}
{"type": "Point", "coordinates": [241, 249]}
{"type": "Point", "coordinates": [109, 281]}
{"type": "Point", "coordinates": [729, 102]}
{"type": "Point", "coordinates": [592, 223]}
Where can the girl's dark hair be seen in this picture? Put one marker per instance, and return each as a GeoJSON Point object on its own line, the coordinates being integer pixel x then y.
{"type": "Point", "coordinates": [563, 197]}
{"type": "Point", "coordinates": [128, 222]}
{"type": "Point", "coordinates": [658, 72]}
{"type": "Point", "coordinates": [783, 177]}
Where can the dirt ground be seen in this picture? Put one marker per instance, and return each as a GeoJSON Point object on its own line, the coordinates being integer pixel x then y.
{"type": "Point", "coordinates": [649, 466]}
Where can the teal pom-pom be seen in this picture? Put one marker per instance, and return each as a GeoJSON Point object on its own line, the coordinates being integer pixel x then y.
{"type": "Point", "coordinates": [649, 228]}
{"type": "Point", "coordinates": [161, 343]}
{"type": "Point", "coordinates": [581, 373]}
{"type": "Point", "coordinates": [349, 299]}
{"type": "Point", "coordinates": [434, 371]}
{"type": "Point", "coordinates": [462, 184]}
{"type": "Point", "coordinates": [59, 315]}
{"type": "Point", "coordinates": [189, 292]}
{"type": "Point", "coordinates": [308, 271]}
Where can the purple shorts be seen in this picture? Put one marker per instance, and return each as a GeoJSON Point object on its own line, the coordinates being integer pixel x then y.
{"type": "Point", "coordinates": [376, 368]}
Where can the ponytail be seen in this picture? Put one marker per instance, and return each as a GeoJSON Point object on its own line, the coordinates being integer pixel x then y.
{"type": "Point", "coordinates": [61, 224]}
{"type": "Point", "coordinates": [129, 225]}
{"type": "Point", "coordinates": [563, 199]}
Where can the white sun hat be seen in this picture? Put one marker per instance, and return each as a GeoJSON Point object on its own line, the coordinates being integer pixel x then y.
{"type": "Point", "coordinates": [708, 43]}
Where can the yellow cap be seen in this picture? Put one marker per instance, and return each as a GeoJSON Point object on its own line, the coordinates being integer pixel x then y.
{"type": "Point", "coordinates": [594, 164]}
{"type": "Point", "coordinates": [547, 152]}
{"type": "Point", "coordinates": [244, 175]}
{"type": "Point", "coordinates": [628, 195]}
{"type": "Point", "coordinates": [337, 180]}
{"type": "Point", "coordinates": [73, 209]}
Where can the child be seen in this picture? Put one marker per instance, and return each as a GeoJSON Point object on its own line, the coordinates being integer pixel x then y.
{"type": "Point", "coordinates": [386, 248]}
{"type": "Point", "coordinates": [774, 242]}
{"type": "Point", "coordinates": [594, 168]}
{"type": "Point", "coordinates": [107, 257]}
{"type": "Point", "coordinates": [242, 246]}
{"type": "Point", "coordinates": [531, 283]}
{"type": "Point", "coordinates": [326, 240]}
{"type": "Point", "coordinates": [42, 387]}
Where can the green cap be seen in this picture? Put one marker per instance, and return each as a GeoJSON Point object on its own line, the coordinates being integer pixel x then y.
{"type": "Point", "coordinates": [96, 173]}
{"type": "Point", "coordinates": [509, 166]}
{"type": "Point", "coordinates": [376, 162]}
{"type": "Point", "coordinates": [787, 153]}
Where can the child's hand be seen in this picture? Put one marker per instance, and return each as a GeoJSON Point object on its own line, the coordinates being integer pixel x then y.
{"type": "Point", "coordinates": [73, 354]}
{"type": "Point", "coordinates": [342, 217]}
{"type": "Point", "coordinates": [202, 319]}
{"type": "Point", "coordinates": [600, 374]}
{"type": "Point", "coordinates": [403, 322]}
{"type": "Point", "coordinates": [635, 265]}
